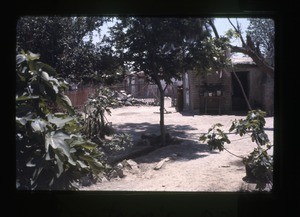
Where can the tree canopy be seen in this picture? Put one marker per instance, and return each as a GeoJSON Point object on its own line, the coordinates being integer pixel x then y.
{"type": "Point", "coordinates": [66, 43]}
{"type": "Point", "coordinates": [164, 48]}
{"type": "Point", "coordinates": [258, 30]}
{"type": "Point", "coordinates": [262, 33]}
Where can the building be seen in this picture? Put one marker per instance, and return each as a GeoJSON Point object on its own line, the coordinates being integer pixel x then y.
{"type": "Point", "coordinates": [220, 92]}
{"type": "Point", "coordinates": [136, 84]}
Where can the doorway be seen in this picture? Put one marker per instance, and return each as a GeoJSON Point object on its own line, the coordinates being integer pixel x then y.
{"type": "Point", "coordinates": [238, 101]}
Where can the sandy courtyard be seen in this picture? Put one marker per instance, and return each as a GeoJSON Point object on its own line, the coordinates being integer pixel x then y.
{"type": "Point", "coordinates": [187, 166]}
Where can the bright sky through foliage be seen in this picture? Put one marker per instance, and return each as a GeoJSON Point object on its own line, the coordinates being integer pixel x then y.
{"type": "Point", "coordinates": [222, 25]}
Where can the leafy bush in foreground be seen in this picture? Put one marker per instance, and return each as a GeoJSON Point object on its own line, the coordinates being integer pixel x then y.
{"type": "Point", "coordinates": [51, 154]}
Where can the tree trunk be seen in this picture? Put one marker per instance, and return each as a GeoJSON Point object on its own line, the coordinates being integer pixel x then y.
{"type": "Point", "coordinates": [161, 111]}
{"type": "Point", "coordinates": [162, 117]}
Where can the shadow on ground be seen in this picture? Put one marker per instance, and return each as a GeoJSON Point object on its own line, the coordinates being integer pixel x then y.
{"type": "Point", "coordinates": [181, 152]}
{"type": "Point", "coordinates": [137, 129]}
{"type": "Point", "coordinates": [182, 147]}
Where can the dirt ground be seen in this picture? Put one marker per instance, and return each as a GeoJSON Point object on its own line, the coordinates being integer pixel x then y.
{"type": "Point", "coordinates": [186, 166]}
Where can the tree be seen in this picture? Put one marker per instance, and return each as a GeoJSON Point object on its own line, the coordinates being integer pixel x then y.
{"type": "Point", "coordinates": [164, 48]}
{"type": "Point", "coordinates": [66, 43]}
{"type": "Point", "coordinates": [259, 43]}
{"type": "Point", "coordinates": [261, 33]}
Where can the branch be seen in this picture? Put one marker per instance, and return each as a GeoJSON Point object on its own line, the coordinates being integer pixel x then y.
{"type": "Point", "coordinates": [157, 81]}
{"type": "Point", "coordinates": [242, 89]}
{"type": "Point", "coordinates": [166, 87]}
{"type": "Point", "coordinates": [211, 23]}
{"type": "Point", "coordinates": [238, 49]}
{"type": "Point", "coordinates": [265, 67]}
{"type": "Point", "coordinates": [246, 50]}
{"type": "Point", "coordinates": [237, 31]}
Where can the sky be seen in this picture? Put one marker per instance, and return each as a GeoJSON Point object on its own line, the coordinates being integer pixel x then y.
{"type": "Point", "coordinates": [222, 25]}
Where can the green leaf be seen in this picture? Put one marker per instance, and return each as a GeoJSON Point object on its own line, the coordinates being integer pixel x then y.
{"type": "Point", "coordinates": [50, 70]}
{"type": "Point", "coordinates": [57, 141]}
{"type": "Point", "coordinates": [59, 122]}
{"type": "Point", "coordinates": [65, 102]}
{"type": "Point", "coordinates": [33, 66]}
{"type": "Point", "coordinates": [20, 58]}
{"type": "Point", "coordinates": [87, 158]}
{"type": "Point", "coordinates": [54, 81]}
{"type": "Point", "coordinates": [96, 167]}
{"type": "Point", "coordinates": [85, 144]}
{"type": "Point", "coordinates": [24, 98]}
{"type": "Point", "coordinates": [217, 125]}
{"type": "Point", "coordinates": [29, 164]}
{"type": "Point", "coordinates": [82, 164]}
{"type": "Point", "coordinates": [21, 121]}
{"type": "Point", "coordinates": [60, 165]}
{"type": "Point", "coordinates": [72, 126]}
{"type": "Point", "coordinates": [32, 56]}
{"type": "Point", "coordinates": [38, 125]}
{"type": "Point", "coordinates": [202, 138]}
{"type": "Point", "coordinates": [45, 76]}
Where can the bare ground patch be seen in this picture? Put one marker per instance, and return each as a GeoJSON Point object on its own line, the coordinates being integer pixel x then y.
{"type": "Point", "coordinates": [184, 166]}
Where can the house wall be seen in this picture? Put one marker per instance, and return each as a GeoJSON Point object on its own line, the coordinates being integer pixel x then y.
{"type": "Point", "coordinates": [255, 78]}
{"type": "Point", "coordinates": [227, 92]}
{"type": "Point", "coordinates": [268, 96]}
{"type": "Point", "coordinates": [261, 92]}
{"type": "Point", "coordinates": [261, 89]}
{"type": "Point", "coordinates": [194, 91]}
{"type": "Point", "coordinates": [139, 88]}
{"type": "Point", "coordinates": [196, 88]}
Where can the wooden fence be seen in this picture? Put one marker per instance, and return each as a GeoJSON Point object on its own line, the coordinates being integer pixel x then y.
{"type": "Point", "coordinates": [79, 97]}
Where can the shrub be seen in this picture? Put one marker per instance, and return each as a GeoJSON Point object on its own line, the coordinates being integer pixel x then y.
{"type": "Point", "coordinates": [97, 106]}
{"type": "Point", "coordinates": [51, 154]}
{"type": "Point", "coordinates": [259, 163]}
{"type": "Point", "coordinates": [215, 137]}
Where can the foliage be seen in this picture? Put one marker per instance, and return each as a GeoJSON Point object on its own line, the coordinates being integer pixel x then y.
{"type": "Point", "coordinates": [253, 123]}
{"type": "Point", "coordinates": [51, 154]}
{"type": "Point", "coordinates": [259, 163]}
{"type": "Point", "coordinates": [215, 137]}
{"type": "Point", "coordinates": [97, 128]}
{"type": "Point", "coordinates": [262, 33]}
{"type": "Point", "coordinates": [164, 48]}
{"type": "Point", "coordinates": [231, 34]}
{"type": "Point", "coordinates": [255, 43]}
{"type": "Point", "coordinates": [95, 124]}
{"type": "Point", "coordinates": [119, 142]}
{"type": "Point", "coordinates": [67, 44]}
{"type": "Point", "coordinates": [260, 167]}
